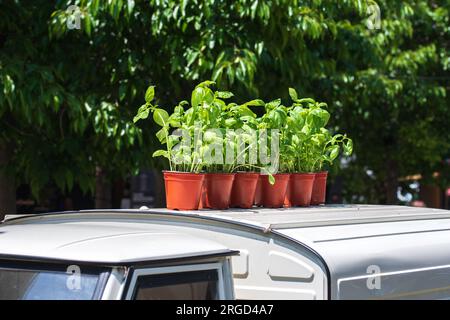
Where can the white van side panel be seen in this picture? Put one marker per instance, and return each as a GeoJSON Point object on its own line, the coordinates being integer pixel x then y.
{"type": "Point", "coordinates": [269, 267]}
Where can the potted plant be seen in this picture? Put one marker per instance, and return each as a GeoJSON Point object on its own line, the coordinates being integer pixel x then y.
{"type": "Point", "coordinates": [313, 145]}
{"type": "Point", "coordinates": [184, 180]}
{"type": "Point", "coordinates": [241, 118]}
{"type": "Point", "coordinates": [327, 150]}
{"type": "Point", "coordinates": [211, 114]}
{"type": "Point", "coordinates": [305, 120]}
{"type": "Point", "coordinates": [274, 179]}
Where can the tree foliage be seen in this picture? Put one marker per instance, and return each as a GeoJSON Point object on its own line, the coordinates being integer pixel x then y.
{"type": "Point", "coordinates": [58, 111]}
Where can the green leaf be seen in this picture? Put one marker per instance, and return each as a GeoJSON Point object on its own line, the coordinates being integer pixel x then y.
{"type": "Point", "coordinates": [255, 103]}
{"type": "Point", "coordinates": [319, 117]}
{"type": "Point", "coordinates": [162, 135]}
{"type": "Point", "coordinates": [273, 104]}
{"type": "Point", "coordinates": [161, 153]}
{"type": "Point", "coordinates": [230, 122]}
{"type": "Point", "coordinates": [277, 117]}
{"type": "Point", "coordinates": [160, 116]}
{"type": "Point", "coordinates": [174, 121]}
{"type": "Point", "coordinates": [348, 147]}
{"type": "Point", "coordinates": [293, 94]}
{"type": "Point", "coordinates": [206, 83]}
{"type": "Point", "coordinates": [197, 96]}
{"type": "Point", "coordinates": [142, 113]}
{"type": "Point", "coordinates": [271, 179]}
{"type": "Point", "coordinates": [224, 94]}
{"type": "Point", "coordinates": [334, 153]}
{"type": "Point", "coordinates": [306, 100]}
{"type": "Point", "coordinates": [306, 129]}
{"type": "Point", "coordinates": [150, 94]}
{"type": "Point", "coordinates": [244, 111]}
{"type": "Point", "coordinates": [173, 140]}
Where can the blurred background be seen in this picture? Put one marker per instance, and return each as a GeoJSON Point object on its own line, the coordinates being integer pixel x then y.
{"type": "Point", "coordinates": [73, 74]}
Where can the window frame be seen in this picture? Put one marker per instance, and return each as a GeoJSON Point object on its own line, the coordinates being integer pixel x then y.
{"type": "Point", "coordinates": [142, 272]}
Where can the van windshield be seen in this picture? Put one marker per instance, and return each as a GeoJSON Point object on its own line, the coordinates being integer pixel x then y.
{"type": "Point", "coordinates": [61, 283]}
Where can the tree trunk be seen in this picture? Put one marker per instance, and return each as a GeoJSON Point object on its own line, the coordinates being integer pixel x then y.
{"type": "Point", "coordinates": [391, 182]}
{"type": "Point", "coordinates": [7, 183]}
{"type": "Point", "coordinates": [102, 190]}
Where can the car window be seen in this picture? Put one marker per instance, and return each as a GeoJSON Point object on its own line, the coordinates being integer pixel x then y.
{"type": "Point", "coordinates": [193, 285]}
{"type": "Point", "coordinates": [23, 284]}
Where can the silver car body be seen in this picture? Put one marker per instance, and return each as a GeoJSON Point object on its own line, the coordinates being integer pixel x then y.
{"type": "Point", "coordinates": [327, 252]}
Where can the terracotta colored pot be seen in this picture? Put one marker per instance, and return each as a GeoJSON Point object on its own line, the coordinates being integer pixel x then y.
{"type": "Point", "coordinates": [258, 192]}
{"type": "Point", "coordinates": [301, 185]}
{"type": "Point", "coordinates": [218, 190]}
{"type": "Point", "coordinates": [183, 190]}
{"type": "Point", "coordinates": [319, 189]}
{"type": "Point", "coordinates": [243, 191]}
{"type": "Point", "coordinates": [273, 195]}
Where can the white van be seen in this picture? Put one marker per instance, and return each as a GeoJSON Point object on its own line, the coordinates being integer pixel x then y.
{"type": "Point", "coordinates": [326, 252]}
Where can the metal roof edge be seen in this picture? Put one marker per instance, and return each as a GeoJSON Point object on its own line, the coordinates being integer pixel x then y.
{"type": "Point", "coordinates": [131, 262]}
{"type": "Point", "coordinates": [265, 228]}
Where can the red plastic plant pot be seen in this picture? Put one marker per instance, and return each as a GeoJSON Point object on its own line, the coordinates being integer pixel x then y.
{"type": "Point", "coordinates": [183, 190]}
{"type": "Point", "coordinates": [258, 192]}
{"type": "Point", "coordinates": [319, 188]}
{"type": "Point", "coordinates": [243, 191]}
{"type": "Point", "coordinates": [273, 195]}
{"type": "Point", "coordinates": [218, 190]}
{"type": "Point", "coordinates": [301, 189]}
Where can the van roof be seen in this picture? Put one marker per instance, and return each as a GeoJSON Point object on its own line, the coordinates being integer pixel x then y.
{"type": "Point", "coordinates": [58, 238]}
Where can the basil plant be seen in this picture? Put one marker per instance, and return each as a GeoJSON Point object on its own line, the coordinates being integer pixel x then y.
{"type": "Point", "coordinates": [309, 144]}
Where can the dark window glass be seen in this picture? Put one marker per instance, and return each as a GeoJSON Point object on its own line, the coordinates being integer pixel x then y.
{"type": "Point", "coordinates": [194, 285]}
{"type": "Point", "coordinates": [18, 284]}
